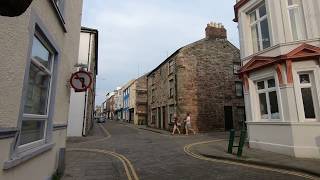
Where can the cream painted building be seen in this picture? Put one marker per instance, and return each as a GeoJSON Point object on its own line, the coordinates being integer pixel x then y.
{"type": "Point", "coordinates": [280, 52]}
{"type": "Point", "coordinates": [38, 51]}
{"type": "Point", "coordinates": [81, 110]}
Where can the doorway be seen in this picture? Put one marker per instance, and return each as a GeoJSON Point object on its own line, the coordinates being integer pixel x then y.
{"type": "Point", "coordinates": [228, 118]}
{"type": "Point", "coordinates": [164, 119]}
{"type": "Point", "coordinates": [159, 117]}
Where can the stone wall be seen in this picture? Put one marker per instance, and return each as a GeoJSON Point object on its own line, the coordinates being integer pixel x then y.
{"type": "Point", "coordinates": [204, 82]}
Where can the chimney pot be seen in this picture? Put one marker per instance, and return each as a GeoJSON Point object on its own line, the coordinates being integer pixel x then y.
{"type": "Point", "coordinates": [216, 31]}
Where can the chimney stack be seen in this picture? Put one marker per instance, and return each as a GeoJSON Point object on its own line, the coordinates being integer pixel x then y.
{"type": "Point", "coordinates": [216, 31]}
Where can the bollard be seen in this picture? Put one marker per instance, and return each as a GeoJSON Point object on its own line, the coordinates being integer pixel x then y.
{"type": "Point", "coordinates": [231, 140]}
{"type": "Point", "coordinates": [241, 142]}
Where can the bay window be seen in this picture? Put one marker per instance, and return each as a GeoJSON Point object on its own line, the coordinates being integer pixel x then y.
{"type": "Point", "coordinates": [308, 95]}
{"type": "Point", "coordinates": [296, 19]}
{"type": "Point", "coordinates": [259, 25]}
{"type": "Point", "coordinates": [268, 100]}
{"type": "Point", "coordinates": [36, 106]}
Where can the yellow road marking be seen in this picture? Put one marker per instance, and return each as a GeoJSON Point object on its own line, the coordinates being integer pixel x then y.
{"type": "Point", "coordinates": [125, 162]}
{"type": "Point", "coordinates": [198, 156]}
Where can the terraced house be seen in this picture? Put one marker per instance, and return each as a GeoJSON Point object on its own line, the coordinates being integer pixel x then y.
{"type": "Point", "coordinates": [280, 53]}
{"type": "Point", "coordinates": [200, 78]}
{"type": "Point", "coordinates": [38, 51]}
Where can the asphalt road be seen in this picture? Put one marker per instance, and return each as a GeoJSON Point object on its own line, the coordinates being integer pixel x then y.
{"type": "Point", "coordinates": [118, 151]}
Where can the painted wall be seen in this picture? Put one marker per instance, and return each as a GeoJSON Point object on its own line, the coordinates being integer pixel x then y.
{"type": "Point", "coordinates": [292, 134]}
{"type": "Point", "coordinates": [15, 43]}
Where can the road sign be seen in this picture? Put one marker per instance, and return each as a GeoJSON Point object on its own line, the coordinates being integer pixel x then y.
{"type": "Point", "coordinates": [81, 81]}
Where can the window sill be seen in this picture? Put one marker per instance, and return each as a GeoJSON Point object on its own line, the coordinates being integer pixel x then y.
{"type": "Point", "coordinates": [59, 15]}
{"type": "Point", "coordinates": [23, 157]}
{"type": "Point", "coordinates": [317, 123]}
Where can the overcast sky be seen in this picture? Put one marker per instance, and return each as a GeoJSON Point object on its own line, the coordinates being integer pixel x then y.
{"type": "Point", "coordinates": [135, 36]}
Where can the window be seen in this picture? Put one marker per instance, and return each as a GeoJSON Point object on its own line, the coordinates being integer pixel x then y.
{"type": "Point", "coordinates": [171, 88]}
{"type": "Point", "coordinates": [36, 107]}
{"type": "Point", "coordinates": [60, 5]}
{"type": "Point", "coordinates": [308, 95]}
{"type": "Point", "coordinates": [239, 90]}
{"type": "Point", "coordinates": [296, 19]}
{"type": "Point", "coordinates": [259, 28]}
{"type": "Point", "coordinates": [153, 116]}
{"type": "Point", "coordinates": [171, 111]}
{"type": "Point", "coordinates": [236, 67]}
{"type": "Point", "coordinates": [171, 67]}
{"type": "Point", "coordinates": [268, 99]}
{"type": "Point", "coordinates": [152, 95]}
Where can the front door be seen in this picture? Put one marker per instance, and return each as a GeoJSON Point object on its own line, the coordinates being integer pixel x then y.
{"type": "Point", "coordinates": [228, 119]}
{"type": "Point", "coordinates": [159, 118]}
{"type": "Point", "coordinates": [164, 120]}
{"type": "Point", "coordinates": [131, 115]}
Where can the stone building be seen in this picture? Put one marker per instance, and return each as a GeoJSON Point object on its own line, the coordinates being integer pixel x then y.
{"type": "Point", "coordinates": [200, 78]}
{"type": "Point", "coordinates": [118, 103]}
{"type": "Point", "coordinates": [135, 101]}
{"type": "Point", "coordinates": [38, 51]}
{"type": "Point", "coordinates": [280, 52]}
{"type": "Point", "coordinates": [81, 110]}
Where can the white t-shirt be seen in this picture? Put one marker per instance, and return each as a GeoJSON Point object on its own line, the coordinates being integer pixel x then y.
{"type": "Point", "coordinates": [188, 120]}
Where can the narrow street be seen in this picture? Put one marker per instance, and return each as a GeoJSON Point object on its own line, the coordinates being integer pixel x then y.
{"type": "Point", "coordinates": [120, 151]}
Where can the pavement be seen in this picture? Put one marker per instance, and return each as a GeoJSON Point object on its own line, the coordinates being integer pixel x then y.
{"type": "Point", "coordinates": [124, 151]}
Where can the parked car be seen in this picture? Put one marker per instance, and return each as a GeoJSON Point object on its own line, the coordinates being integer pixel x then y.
{"type": "Point", "coordinates": [100, 119]}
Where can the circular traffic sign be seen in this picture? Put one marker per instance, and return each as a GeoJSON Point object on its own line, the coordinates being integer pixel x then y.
{"type": "Point", "coordinates": [81, 81]}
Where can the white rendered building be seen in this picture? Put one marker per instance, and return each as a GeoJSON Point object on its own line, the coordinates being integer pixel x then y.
{"type": "Point", "coordinates": [81, 110]}
{"type": "Point", "coordinates": [280, 50]}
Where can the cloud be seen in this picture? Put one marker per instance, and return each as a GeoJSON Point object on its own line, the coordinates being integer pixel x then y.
{"type": "Point", "coordinates": [137, 35]}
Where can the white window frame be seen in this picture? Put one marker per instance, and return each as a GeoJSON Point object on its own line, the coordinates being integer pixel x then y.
{"type": "Point", "coordinates": [266, 90]}
{"type": "Point", "coordinates": [258, 23]}
{"type": "Point", "coordinates": [37, 117]}
{"type": "Point", "coordinates": [301, 31]}
{"type": "Point", "coordinates": [313, 73]}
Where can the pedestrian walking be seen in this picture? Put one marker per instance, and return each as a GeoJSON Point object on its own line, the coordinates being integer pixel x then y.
{"type": "Point", "coordinates": [175, 124]}
{"type": "Point", "coordinates": [188, 124]}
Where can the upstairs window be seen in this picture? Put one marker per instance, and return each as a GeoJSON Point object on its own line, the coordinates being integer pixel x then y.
{"type": "Point", "coordinates": [171, 88]}
{"type": "Point", "coordinates": [268, 99]}
{"type": "Point", "coordinates": [259, 28]}
{"type": "Point", "coordinates": [236, 67]}
{"type": "Point", "coordinates": [60, 5]}
{"type": "Point", "coordinates": [239, 89]}
{"type": "Point", "coordinates": [296, 19]}
{"type": "Point", "coordinates": [171, 67]}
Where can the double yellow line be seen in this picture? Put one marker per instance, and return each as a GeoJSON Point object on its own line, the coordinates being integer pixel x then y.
{"type": "Point", "coordinates": [130, 171]}
{"type": "Point", "coordinates": [128, 167]}
{"type": "Point", "coordinates": [198, 156]}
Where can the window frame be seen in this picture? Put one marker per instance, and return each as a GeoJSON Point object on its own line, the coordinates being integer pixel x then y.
{"type": "Point", "coordinates": [236, 70]}
{"type": "Point", "coordinates": [266, 91]}
{"type": "Point", "coordinates": [258, 23]}
{"type": "Point", "coordinates": [313, 85]}
{"type": "Point", "coordinates": [301, 30]}
{"type": "Point", "coordinates": [171, 67]}
{"type": "Point", "coordinates": [42, 38]}
{"type": "Point", "coordinates": [171, 89]}
{"type": "Point", "coordinates": [242, 93]}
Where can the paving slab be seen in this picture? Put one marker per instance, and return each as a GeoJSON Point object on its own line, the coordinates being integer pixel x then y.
{"type": "Point", "coordinates": [218, 150]}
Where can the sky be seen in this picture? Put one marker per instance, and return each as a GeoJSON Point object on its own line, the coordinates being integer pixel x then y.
{"type": "Point", "coordinates": [135, 36]}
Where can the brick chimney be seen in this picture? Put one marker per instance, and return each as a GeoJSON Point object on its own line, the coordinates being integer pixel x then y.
{"type": "Point", "coordinates": [216, 31]}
